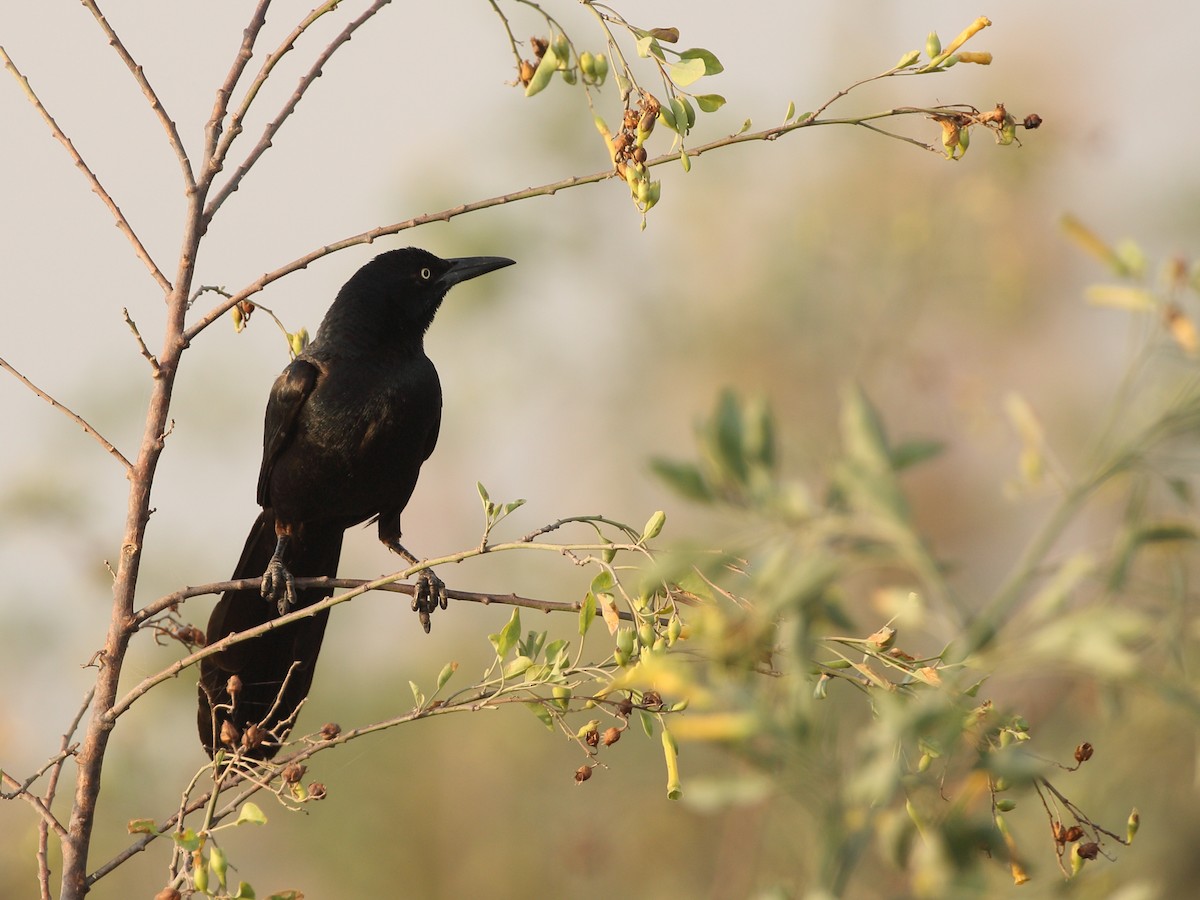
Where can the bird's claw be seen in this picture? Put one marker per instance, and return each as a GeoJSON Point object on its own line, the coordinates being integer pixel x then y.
{"type": "Point", "coordinates": [431, 593]}
{"type": "Point", "coordinates": [279, 587]}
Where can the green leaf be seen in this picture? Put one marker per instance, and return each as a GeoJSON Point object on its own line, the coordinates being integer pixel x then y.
{"type": "Point", "coordinates": [746, 126]}
{"type": "Point", "coordinates": [188, 839]}
{"type": "Point", "coordinates": [666, 35]}
{"type": "Point", "coordinates": [687, 71]}
{"type": "Point", "coordinates": [712, 65]}
{"type": "Point", "coordinates": [483, 495]}
{"type": "Point", "coordinates": [668, 117]}
{"type": "Point", "coordinates": [141, 826]}
{"type": "Point", "coordinates": [542, 713]}
{"type": "Point", "coordinates": [250, 814]}
{"type": "Point", "coordinates": [912, 452]}
{"type": "Point", "coordinates": [556, 652]}
{"type": "Point", "coordinates": [710, 102]}
{"type": "Point", "coordinates": [418, 697]}
{"type": "Point", "coordinates": [447, 670]}
{"type": "Point", "coordinates": [647, 721]}
{"type": "Point", "coordinates": [679, 112]}
{"type": "Point", "coordinates": [506, 639]}
{"type": "Point", "coordinates": [544, 72]}
{"type": "Point", "coordinates": [686, 161]}
{"type": "Point", "coordinates": [603, 581]}
{"type": "Point", "coordinates": [587, 612]}
{"type": "Point", "coordinates": [908, 59]}
{"type": "Point", "coordinates": [647, 45]}
{"type": "Point", "coordinates": [791, 111]}
{"type": "Point", "coordinates": [245, 892]}
{"type": "Point", "coordinates": [518, 665]}
{"type": "Point", "coordinates": [683, 478]}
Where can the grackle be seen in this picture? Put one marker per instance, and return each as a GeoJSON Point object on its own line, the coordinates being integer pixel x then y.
{"type": "Point", "coordinates": [348, 425]}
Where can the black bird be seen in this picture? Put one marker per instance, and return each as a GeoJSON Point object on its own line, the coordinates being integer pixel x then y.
{"type": "Point", "coordinates": [348, 425]}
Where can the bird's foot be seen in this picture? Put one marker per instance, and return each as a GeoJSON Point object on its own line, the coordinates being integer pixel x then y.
{"type": "Point", "coordinates": [278, 586]}
{"type": "Point", "coordinates": [431, 593]}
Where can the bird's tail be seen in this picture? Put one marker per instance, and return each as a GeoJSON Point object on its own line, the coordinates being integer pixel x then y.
{"type": "Point", "coordinates": [276, 668]}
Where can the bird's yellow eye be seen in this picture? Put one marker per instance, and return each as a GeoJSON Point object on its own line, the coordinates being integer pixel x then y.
{"type": "Point", "coordinates": [425, 273]}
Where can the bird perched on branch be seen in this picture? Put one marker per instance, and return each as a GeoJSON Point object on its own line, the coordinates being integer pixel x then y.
{"type": "Point", "coordinates": [348, 425]}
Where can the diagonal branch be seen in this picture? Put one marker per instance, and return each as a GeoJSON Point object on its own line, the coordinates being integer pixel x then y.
{"type": "Point", "coordinates": [212, 131]}
{"type": "Point", "coordinates": [273, 126]}
{"type": "Point", "coordinates": [74, 417]}
{"type": "Point", "coordinates": [122, 223]}
{"type": "Point", "coordinates": [139, 75]}
{"type": "Point", "coordinates": [544, 190]}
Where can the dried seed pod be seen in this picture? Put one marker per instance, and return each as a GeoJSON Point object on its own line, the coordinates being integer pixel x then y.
{"type": "Point", "coordinates": [253, 737]}
{"type": "Point", "coordinates": [293, 773]}
{"type": "Point", "coordinates": [229, 734]}
{"type": "Point", "coordinates": [611, 736]}
{"type": "Point", "coordinates": [582, 774]}
{"type": "Point", "coordinates": [1083, 752]}
{"type": "Point", "coordinates": [316, 791]}
{"type": "Point", "coordinates": [330, 730]}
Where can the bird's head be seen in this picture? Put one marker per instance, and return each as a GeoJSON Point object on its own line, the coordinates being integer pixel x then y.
{"type": "Point", "coordinates": [401, 290]}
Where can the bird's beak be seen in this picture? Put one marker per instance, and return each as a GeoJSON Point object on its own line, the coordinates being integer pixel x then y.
{"type": "Point", "coordinates": [467, 267]}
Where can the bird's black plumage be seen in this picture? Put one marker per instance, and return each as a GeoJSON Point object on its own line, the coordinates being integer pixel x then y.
{"type": "Point", "coordinates": [348, 424]}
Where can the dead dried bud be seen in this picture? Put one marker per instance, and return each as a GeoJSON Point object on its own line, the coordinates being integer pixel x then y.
{"type": "Point", "coordinates": [192, 636]}
{"type": "Point", "coordinates": [652, 700]}
{"type": "Point", "coordinates": [293, 773]}
{"type": "Point", "coordinates": [1032, 121]}
{"type": "Point", "coordinates": [316, 791]}
{"type": "Point", "coordinates": [611, 736]}
{"type": "Point", "coordinates": [1059, 833]}
{"type": "Point", "coordinates": [525, 72]}
{"type": "Point", "coordinates": [539, 46]}
{"type": "Point", "coordinates": [233, 686]}
{"type": "Point", "coordinates": [592, 738]}
{"type": "Point", "coordinates": [1072, 834]}
{"type": "Point", "coordinates": [624, 708]}
{"type": "Point", "coordinates": [582, 774]}
{"type": "Point", "coordinates": [1090, 850]}
{"type": "Point", "coordinates": [639, 154]}
{"type": "Point", "coordinates": [330, 730]}
{"type": "Point", "coordinates": [253, 737]}
{"type": "Point", "coordinates": [168, 893]}
{"type": "Point", "coordinates": [631, 119]}
{"type": "Point", "coordinates": [1083, 752]}
{"type": "Point", "coordinates": [229, 734]}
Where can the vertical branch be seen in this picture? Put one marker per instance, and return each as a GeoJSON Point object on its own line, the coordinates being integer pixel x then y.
{"type": "Point", "coordinates": [212, 132]}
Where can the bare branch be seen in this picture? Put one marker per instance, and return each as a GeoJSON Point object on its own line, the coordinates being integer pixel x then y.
{"type": "Point", "coordinates": [273, 127]}
{"type": "Point", "coordinates": [212, 131]}
{"type": "Point", "coordinates": [74, 417]}
{"type": "Point", "coordinates": [139, 76]}
{"type": "Point", "coordinates": [142, 348]}
{"type": "Point", "coordinates": [122, 223]}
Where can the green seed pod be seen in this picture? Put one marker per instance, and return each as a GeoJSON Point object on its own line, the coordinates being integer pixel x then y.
{"type": "Point", "coordinates": [643, 191]}
{"type": "Point", "coordinates": [646, 634]}
{"type": "Point", "coordinates": [569, 76]}
{"type": "Point", "coordinates": [587, 65]}
{"type": "Point", "coordinates": [1006, 805]}
{"type": "Point", "coordinates": [625, 638]}
{"type": "Point", "coordinates": [933, 45]}
{"type": "Point", "coordinates": [654, 525]}
{"type": "Point", "coordinates": [924, 762]}
{"type": "Point", "coordinates": [622, 659]}
{"type": "Point", "coordinates": [601, 68]}
{"type": "Point", "coordinates": [653, 194]}
{"type": "Point", "coordinates": [674, 627]}
{"type": "Point", "coordinates": [199, 872]}
{"type": "Point", "coordinates": [964, 138]}
{"type": "Point", "coordinates": [1132, 826]}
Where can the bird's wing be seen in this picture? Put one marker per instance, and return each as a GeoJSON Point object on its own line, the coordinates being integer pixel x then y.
{"type": "Point", "coordinates": [288, 396]}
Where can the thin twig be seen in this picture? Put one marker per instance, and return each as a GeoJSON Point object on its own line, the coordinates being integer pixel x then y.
{"type": "Point", "coordinates": [122, 223]}
{"type": "Point", "coordinates": [142, 348]}
{"type": "Point", "coordinates": [212, 131]}
{"type": "Point", "coordinates": [66, 749]}
{"type": "Point", "coordinates": [74, 417]}
{"type": "Point", "coordinates": [139, 75]}
{"type": "Point", "coordinates": [273, 127]}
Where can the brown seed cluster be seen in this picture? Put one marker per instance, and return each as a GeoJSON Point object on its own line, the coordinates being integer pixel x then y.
{"type": "Point", "coordinates": [636, 126]}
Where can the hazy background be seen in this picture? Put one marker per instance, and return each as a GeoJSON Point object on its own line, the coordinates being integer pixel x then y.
{"type": "Point", "coordinates": [784, 268]}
